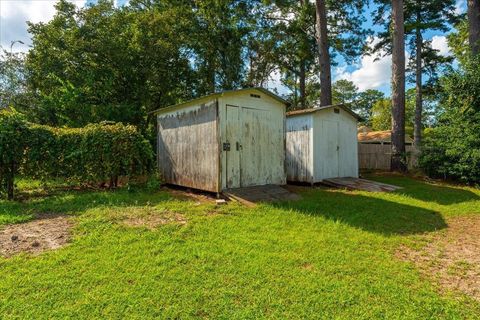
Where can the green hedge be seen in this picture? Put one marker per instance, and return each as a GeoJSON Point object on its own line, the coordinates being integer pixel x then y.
{"type": "Point", "coordinates": [452, 150]}
{"type": "Point", "coordinates": [13, 139]}
{"type": "Point", "coordinates": [97, 153]}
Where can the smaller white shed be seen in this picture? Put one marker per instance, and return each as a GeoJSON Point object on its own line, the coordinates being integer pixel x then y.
{"type": "Point", "coordinates": [321, 144]}
{"type": "Point", "coordinates": [225, 140]}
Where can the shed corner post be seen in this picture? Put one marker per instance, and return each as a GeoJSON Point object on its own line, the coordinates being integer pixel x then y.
{"type": "Point", "coordinates": [219, 149]}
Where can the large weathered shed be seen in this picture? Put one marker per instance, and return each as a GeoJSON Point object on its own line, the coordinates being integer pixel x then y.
{"type": "Point", "coordinates": [223, 141]}
{"type": "Point", "coordinates": [321, 144]}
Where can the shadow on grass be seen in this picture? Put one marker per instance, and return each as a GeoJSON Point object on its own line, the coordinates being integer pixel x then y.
{"type": "Point", "coordinates": [428, 192]}
{"type": "Point", "coordinates": [439, 194]}
{"type": "Point", "coordinates": [367, 213]}
{"type": "Point", "coordinates": [74, 202]}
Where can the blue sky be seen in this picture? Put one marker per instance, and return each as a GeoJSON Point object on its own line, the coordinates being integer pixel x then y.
{"type": "Point", "coordinates": [367, 73]}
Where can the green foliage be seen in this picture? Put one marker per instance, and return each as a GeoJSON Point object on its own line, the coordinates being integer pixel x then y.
{"type": "Point", "coordinates": [344, 91]}
{"type": "Point", "coordinates": [382, 115]}
{"type": "Point", "coordinates": [452, 149]}
{"type": "Point", "coordinates": [13, 90]}
{"type": "Point", "coordinates": [154, 182]}
{"type": "Point", "coordinates": [102, 63]}
{"type": "Point", "coordinates": [13, 140]}
{"type": "Point", "coordinates": [364, 103]}
{"type": "Point", "coordinates": [458, 41]}
{"type": "Point", "coordinates": [97, 153]}
{"type": "Point", "coordinates": [285, 43]}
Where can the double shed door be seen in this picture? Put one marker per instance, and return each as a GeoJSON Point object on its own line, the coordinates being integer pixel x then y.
{"type": "Point", "coordinates": [246, 146]}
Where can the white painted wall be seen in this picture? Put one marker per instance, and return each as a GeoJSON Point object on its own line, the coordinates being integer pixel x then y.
{"type": "Point", "coordinates": [187, 145]}
{"type": "Point", "coordinates": [321, 145]}
{"type": "Point", "coordinates": [260, 131]}
{"type": "Point", "coordinates": [326, 140]}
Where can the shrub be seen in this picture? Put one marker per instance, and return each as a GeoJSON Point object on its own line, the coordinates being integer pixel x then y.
{"type": "Point", "coordinates": [452, 149]}
{"type": "Point", "coordinates": [97, 153]}
{"type": "Point", "coordinates": [13, 139]}
{"type": "Point", "coordinates": [94, 154]}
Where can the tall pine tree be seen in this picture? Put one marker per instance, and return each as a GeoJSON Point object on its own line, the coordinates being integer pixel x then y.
{"type": "Point", "coordinates": [422, 16]}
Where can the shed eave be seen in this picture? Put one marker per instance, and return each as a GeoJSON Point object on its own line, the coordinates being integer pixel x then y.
{"type": "Point", "coordinates": [315, 109]}
{"type": "Point", "coordinates": [216, 96]}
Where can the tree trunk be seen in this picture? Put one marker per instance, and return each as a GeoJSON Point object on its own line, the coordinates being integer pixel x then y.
{"type": "Point", "coordinates": [419, 99]}
{"type": "Point", "coordinates": [302, 74]}
{"type": "Point", "coordinates": [473, 13]}
{"type": "Point", "coordinates": [302, 80]}
{"type": "Point", "coordinates": [323, 54]}
{"type": "Point", "coordinates": [398, 161]}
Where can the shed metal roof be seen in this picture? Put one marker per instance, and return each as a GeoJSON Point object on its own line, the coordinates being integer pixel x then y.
{"type": "Point", "coordinates": [315, 109]}
{"type": "Point", "coordinates": [219, 94]}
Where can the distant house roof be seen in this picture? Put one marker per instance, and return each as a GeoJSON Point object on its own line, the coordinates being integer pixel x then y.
{"type": "Point", "coordinates": [315, 109]}
{"type": "Point", "coordinates": [379, 137]}
{"type": "Point", "coordinates": [223, 93]}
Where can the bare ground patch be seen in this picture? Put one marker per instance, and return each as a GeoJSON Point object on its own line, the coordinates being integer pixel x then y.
{"type": "Point", "coordinates": [154, 220]}
{"type": "Point", "coordinates": [451, 257]}
{"type": "Point", "coordinates": [48, 232]}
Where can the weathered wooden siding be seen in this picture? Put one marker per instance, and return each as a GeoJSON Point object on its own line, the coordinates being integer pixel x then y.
{"type": "Point", "coordinates": [378, 157]}
{"type": "Point", "coordinates": [188, 147]}
{"type": "Point", "coordinates": [299, 151]}
{"type": "Point", "coordinates": [348, 152]}
{"type": "Point", "coordinates": [335, 144]}
{"type": "Point", "coordinates": [260, 133]}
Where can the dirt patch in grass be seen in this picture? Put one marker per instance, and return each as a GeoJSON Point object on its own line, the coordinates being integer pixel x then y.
{"type": "Point", "coordinates": [451, 257]}
{"type": "Point", "coordinates": [154, 220]}
{"type": "Point", "coordinates": [47, 232]}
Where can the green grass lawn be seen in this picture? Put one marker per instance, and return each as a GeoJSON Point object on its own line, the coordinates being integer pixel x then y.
{"type": "Point", "coordinates": [330, 255]}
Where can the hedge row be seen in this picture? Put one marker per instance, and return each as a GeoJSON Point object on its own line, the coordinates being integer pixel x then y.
{"type": "Point", "coordinates": [97, 153]}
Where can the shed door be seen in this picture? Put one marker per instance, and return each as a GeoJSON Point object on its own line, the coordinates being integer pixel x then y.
{"type": "Point", "coordinates": [232, 147]}
{"type": "Point", "coordinates": [331, 158]}
{"type": "Point", "coordinates": [256, 135]}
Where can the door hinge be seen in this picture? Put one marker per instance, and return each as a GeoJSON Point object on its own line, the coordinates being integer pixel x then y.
{"type": "Point", "coordinates": [226, 146]}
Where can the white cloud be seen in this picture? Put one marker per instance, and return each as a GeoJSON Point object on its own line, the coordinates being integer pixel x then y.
{"type": "Point", "coordinates": [440, 43]}
{"type": "Point", "coordinates": [14, 15]}
{"type": "Point", "coordinates": [460, 7]}
{"type": "Point", "coordinates": [371, 73]}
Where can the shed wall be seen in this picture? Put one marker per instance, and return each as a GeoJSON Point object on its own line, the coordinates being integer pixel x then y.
{"type": "Point", "coordinates": [331, 130]}
{"type": "Point", "coordinates": [260, 132]}
{"type": "Point", "coordinates": [299, 150]}
{"type": "Point", "coordinates": [188, 148]}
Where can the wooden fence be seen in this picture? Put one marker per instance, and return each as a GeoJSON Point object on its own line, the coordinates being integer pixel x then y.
{"type": "Point", "coordinates": [377, 156]}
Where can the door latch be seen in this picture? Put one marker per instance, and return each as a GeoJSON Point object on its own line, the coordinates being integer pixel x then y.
{"type": "Point", "coordinates": [239, 146]}
{"type": "Point", "coordinates": [226, 146]}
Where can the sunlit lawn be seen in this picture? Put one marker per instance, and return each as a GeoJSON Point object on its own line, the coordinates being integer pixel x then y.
{"type": "Point", "coordinates": [330, 255]}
